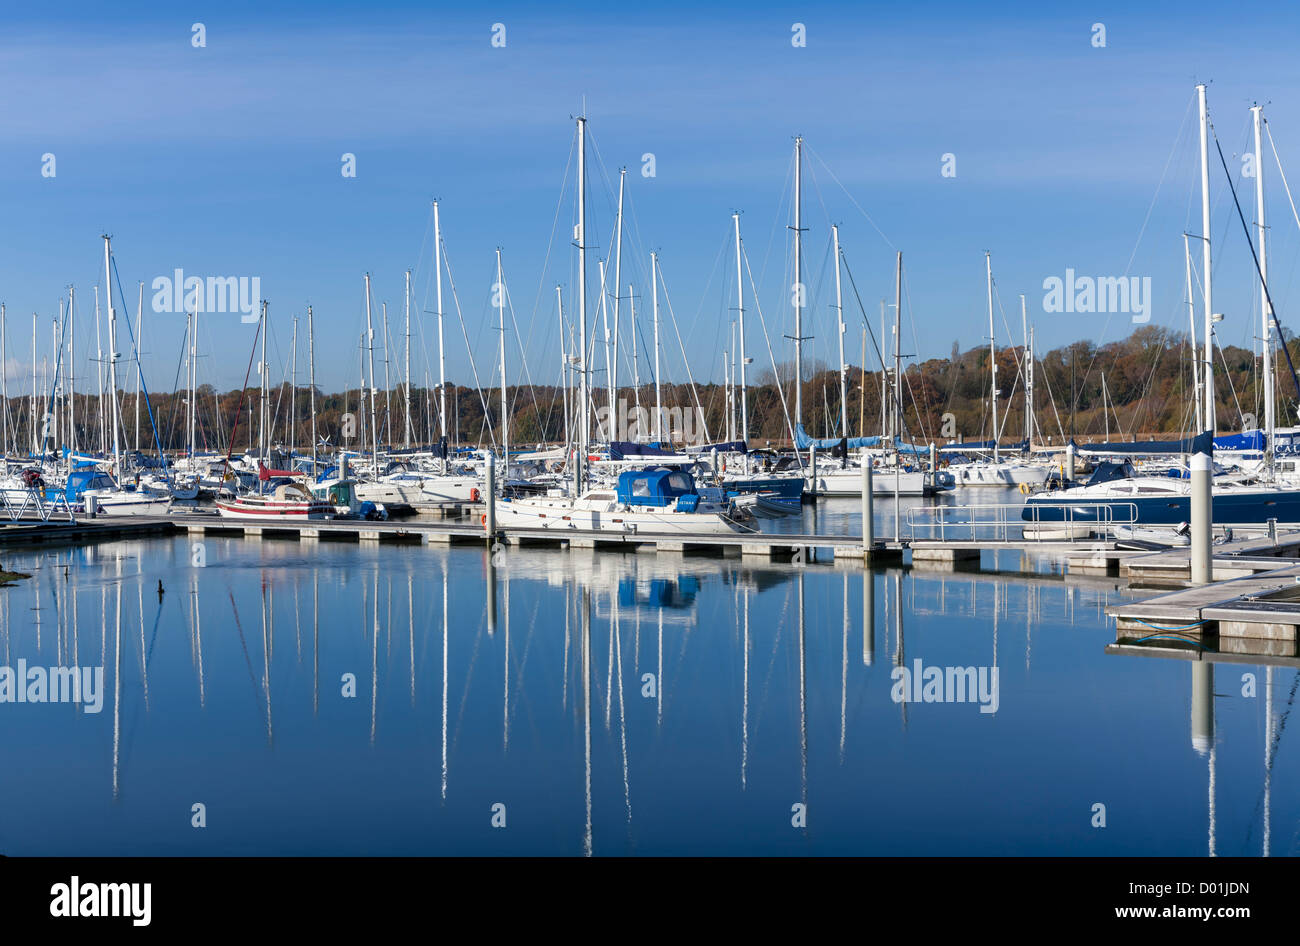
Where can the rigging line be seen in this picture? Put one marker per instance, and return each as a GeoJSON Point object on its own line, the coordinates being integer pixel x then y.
{"type": "Point", "coordinates": [853, 200]}
{"type": "Point", "coordinates": [455, 296]}
{"type": "Point", "coordinates": [1150, 207]}
{"type": "Point", "coordinates": [767, 339]}
{"type": "Point", "coordinates": [1254, 256]}
{"type": "Point", "coordinates": [148, 403]}
{"type": "Point", "coordinates": [689, 377]}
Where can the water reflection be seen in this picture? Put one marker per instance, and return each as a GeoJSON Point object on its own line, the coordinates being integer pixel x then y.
{"type": "Point", "coordinates": [635, 703]}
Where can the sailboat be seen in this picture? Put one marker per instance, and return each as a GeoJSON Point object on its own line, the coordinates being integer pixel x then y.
{"type": "Point", "coordinates": [1116, 494]}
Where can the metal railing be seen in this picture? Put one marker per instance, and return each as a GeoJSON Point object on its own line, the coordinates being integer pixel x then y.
{"type": "Point", "coordinates": [35, 507]}
{"type": "Point", "coordinates": [1019, 522]}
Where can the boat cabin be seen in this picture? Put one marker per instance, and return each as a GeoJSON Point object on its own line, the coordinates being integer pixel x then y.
{"type": "Point", "coordinates": [658, 488]}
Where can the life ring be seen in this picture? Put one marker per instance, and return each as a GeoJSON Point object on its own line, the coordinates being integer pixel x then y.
{"type": "Point", "coordinates": [474, 494]}
{"type": "Point", "coordinates": [1024, 489]}
{"type": "Point", "coordinates": [482, 520]}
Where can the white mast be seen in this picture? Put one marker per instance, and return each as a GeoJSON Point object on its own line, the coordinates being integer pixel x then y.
{"type": "Point", "coordinates": [388, 386]}
{"type": "Point", "coordinates": [505, 405]}
{"type": "Point", "coordinates": [189, 385]}
{"type": "Point", "coordinates": [99, 373]}
{"type": "Point", "coordinates": [32, 407]}
{"type": "Point", "coordinates": [993, 355]}
{"type": "Point", "coordinates": [839, 312]}
{"type": "Point", "coordinates": [293, 390]}
{"type": "Point", "coordinates": [636, 370]}
{"type": "Point", "coordinates": [654, 302]}
{"type": "Point", "coordinates": [442, 355]}
{"type": "Point", "coordinates": [4, 386]}
{"type": "Point", "coordinates": [311, 381]}
{"type": "Point", "coordinates": [1210, 418]}
{"type": "Point", "coordinates": [896, 391]}
{"type": "Point", "coordinates": [1266, 313]}
{"type": "Point", "coordinates": [112, 355]}
{"type": "Point", "coordinates": [374, 391]}
{"type": "Point", "coordinates": [72, 373]}
{"type": "Point", "coordinates": [1191, 322]}
{"type": "Point", "coordinates": [407, 441]}
{"type": "Point", "coordinates": [740, 305]}
{"type": "Point", "coordinates": [583, 398]}
{"type": "Point", "coordinates": [618, 278]}
{"type": "Point", "coordinates": [564, 366]}
{"type": "Point", "coordinates": [264, 414]}
{"type": "Point", "coordinates": [139, 369]}
{"type": "Point", "coordinates": [609, 364]}
{"type": "Point", "coordinates": [1029, 373]}
{"type": "Point", "coordinates": [798, 292]}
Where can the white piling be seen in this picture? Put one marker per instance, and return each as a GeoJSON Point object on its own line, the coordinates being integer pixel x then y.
{"type": "Point", "coordinates": [812, 463]}
{"type": "Point", "coordinates": [1069, 460]}
{"type": "Point", "coordinates": [868, 513]}
{"type": "Point", "coordinates": [490, 519]}
{"type": "Point", "coordinates": [1202, 520]}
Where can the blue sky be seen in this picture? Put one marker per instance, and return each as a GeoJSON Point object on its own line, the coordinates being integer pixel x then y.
{"type": "Point", "coordinates": [225, 160]}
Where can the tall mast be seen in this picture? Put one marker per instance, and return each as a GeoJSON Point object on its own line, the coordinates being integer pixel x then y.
{"type": "Point", "coordinates": [583, 399]}
{"type": "Point", "coordinates": [99, 378]}
{"type": "Point", "coordinates": [505, 405]}
{"type": "Point", "coordinates": [388, 386]}
{"type": "Point", "coordinates": [1191, 322]}
{"type": "Point", "coordinates": [1266, 313]}
{"type": "Point", "coordinates": [636, 370]}
{"type": "Point", "coordinates": [32, 407]}
{"type": "Point", "coordinates": [993, 356]}
{"type": "Point", "coordinates": [442, 355]}
{"type": "Point", "coordinates": [618, 278]}
{"type": "Point", "coordinates": [884, 376]}
{"type": "Point", "coordinates": [72, 373]}
{"type": "Point", "coordinates": [1210, 418]}
{"type": "Point", "coordinates": [740, 305]}
{"type": "Point", "coordinates": [897, 392]}
{"type": "Point", "coordinates": [293, 390]}
{"type": "Point", "coordinates": [112, 354]}
{"type": "Point", "coordinates": [654, 302]}
{"type": "Point", "coordinates": [839, 313]}
{"type": "Point", "coordinates": [139, 369]}
{"type": "Point", "coordinates": [311, 381]}
{"type": "Point", "coordinates": [798, 292]}
{"type": "Point", "coordinates": [374, 391]}
{"type": "Point", "coordinates": [407, 439]}
{"type": "Point", "coordinates": [609, 364]}
{"type": "Point", "coordinates": [264, 414]}
{"type": "Point", "coordinates": [1029, 373]}
{"type": "Point", "coordinates": [189, 385]}
{"type": "Point", "coordinates": [564, 366]}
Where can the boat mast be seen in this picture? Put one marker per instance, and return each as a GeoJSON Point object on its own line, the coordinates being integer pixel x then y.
{"type": "Point", "coordinates": [263, 412]}
{"type": "Point", "coordinates": [4, 388]}
{"type": "Point", "coordinates": [139, 369]}
{"type": "Point", "coordinates": [388, 385]}
{"type": "Point", "coordinates": [654, 303]}
{"type": "Point", "coordinates": [1191, 323]}
{"type": "Point", "coordinates": [583, 405]}
{"type": "Point", "coordinates": [1029, 374]}
{"type": "Point", "coordinates": [897, 391]}
{"type": "Point", "coordinates": [32, 403]}
{"type": "Point", "coordinates": [993, 355]}
{"type": "Point", "coordinates": [740, 305]}
{"type": "Point", "coordinates": [99, 377]}
{"type": "Point", "coordinates": [442, 355]}
{"type": "Point", "coordinates": [311, 382]}
{"type": "Point", "coordinates": [1266, 312]}
{"type": "Point", "coordinates": [293, 390]}
{"type": "Point", "coordinates": [1210, 413]}
{"type": "Point", "coordinates": [839, 314]}
{"type": "Point", "coordinates": [636, 369]}
{"type": "Point", "coordinates": [112, 355]}
{"type": "Point", "coordinates": [407, 441]}
{"type": "Point", "coordinates": [72, 373]}
{"type": "Point", "coordinates": [798, 281]}
{"type": "Point", "coordinates": [189, 385]}
{"type": "Point", "coordinates": [609, 365]}
{"type": "Point", "coordinates": [505, 406]}
{"type": "Point", "coordinates": [564, 367]}
{"type": "Point", "coordinates": [618, 277]}
{"type": "Point", "coordinates": [374, 391]}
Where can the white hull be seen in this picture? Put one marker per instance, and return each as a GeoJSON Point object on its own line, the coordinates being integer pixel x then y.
{"type": "Point", "coordinates": [848, 483]}
{"type": "Point", "coordinates": [999, 474]}
{"type": "Point", "coordinates": [562, 515]}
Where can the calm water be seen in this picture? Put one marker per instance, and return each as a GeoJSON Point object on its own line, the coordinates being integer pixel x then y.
{"type": "Point", "coordinates": [614, 704]}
